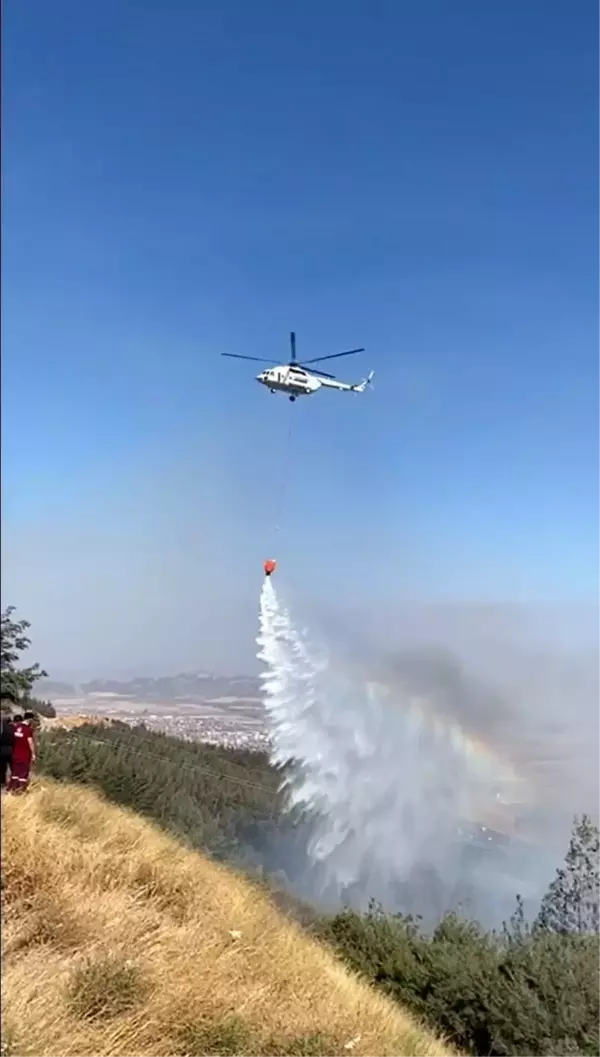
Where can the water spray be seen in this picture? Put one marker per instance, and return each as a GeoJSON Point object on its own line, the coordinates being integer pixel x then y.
{"type": "Point", "coordinates": [386, 782]}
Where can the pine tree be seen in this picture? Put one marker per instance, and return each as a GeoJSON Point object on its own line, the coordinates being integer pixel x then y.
{"type": "Point", "coordinates": [570, 905]}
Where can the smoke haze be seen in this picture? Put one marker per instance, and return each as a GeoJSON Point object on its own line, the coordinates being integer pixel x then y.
{"type": "Point", "coordinates": [398, 760]}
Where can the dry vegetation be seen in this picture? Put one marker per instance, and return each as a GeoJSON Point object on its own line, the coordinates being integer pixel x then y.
{"type": "Point", "coordinates": [71, 722]}
{"type": "Point", "coordinates": [118, 940]}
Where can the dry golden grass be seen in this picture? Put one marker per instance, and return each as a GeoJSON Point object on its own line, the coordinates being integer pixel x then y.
{"type": "Point", "coordinates": [119, 941]}
{"type": "Point", "coordinates": [69, 722]}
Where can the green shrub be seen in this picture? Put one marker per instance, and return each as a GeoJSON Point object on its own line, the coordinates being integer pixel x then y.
{"type": "Point", "coordinates": [315, 1045]}
{"type": "Point", "coordinates": [231, 1037]}
{"type": "Point", "coordinates": [106, 986]}
{"type": "Point", "coordinates": [226, 1038]}
{"type": "Point", "coordinates": [534, 993]}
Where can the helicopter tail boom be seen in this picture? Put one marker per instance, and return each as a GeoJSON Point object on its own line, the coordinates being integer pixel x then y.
{"type": "Point", "coordinates": [365, 384]}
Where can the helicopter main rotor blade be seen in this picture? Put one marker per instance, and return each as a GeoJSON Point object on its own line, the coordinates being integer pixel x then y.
{"type": "Point", "coordinates": [293, 346]}
{"type": "Point", "coordinates": [236, 356]}
{"type": "Point", "coordinates": [313, 370]}
{"type": "Point", "coordinates": [334, 356]}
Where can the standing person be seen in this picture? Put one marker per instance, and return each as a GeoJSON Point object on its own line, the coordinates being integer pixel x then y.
{"type": "Point", "coordinates": [23, 754]}
{"type": "Point", "coordinates": [7, 741]}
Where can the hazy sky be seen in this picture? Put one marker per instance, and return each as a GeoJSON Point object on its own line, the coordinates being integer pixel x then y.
{"type": "Point", "coordinates": [184, 178]}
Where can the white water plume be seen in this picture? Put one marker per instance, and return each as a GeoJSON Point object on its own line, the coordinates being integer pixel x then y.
{"type": "Point", "coordinates": [387, 782]}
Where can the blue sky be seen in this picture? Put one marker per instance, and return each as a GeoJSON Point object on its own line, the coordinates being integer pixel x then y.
{"type": "Point", "coordinates": [186, 178]}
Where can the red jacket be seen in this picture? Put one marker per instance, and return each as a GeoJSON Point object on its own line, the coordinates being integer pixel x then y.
{"type": "Point", "coordinates": [23, 745]}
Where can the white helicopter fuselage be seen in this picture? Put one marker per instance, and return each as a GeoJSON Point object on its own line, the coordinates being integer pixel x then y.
{"type": "Point", "coordinates": [297, 381]}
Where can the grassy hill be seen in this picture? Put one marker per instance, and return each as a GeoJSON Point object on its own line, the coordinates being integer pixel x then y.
{"type": "Point", "coordinates": [120, 940]}
{"type": "Point", "coordinates": [223, 801]}
{"type": "Point", "coordinates": [520, 992]}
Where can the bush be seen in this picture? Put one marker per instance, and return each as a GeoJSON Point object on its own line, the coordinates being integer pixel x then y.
{"type": "Point", "coordinates": [526, 992]}
{"type": "Point", "coordinates": [41, 708]}
{"type": "Point", "coordinates": [104, 987]}
{"type": "Point", "coordinates": [231, 1037]}
{"type": "Point", "coordinates": [316, 1045]}
{"type": "Point", "coordinates": [226, 1038]}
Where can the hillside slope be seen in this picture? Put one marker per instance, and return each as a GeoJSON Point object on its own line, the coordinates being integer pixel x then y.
{"type": "Point", "coordinates": [117, 940]}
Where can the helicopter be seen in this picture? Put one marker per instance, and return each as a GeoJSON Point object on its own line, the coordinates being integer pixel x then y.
{"type": "Point", "coordinates": [296, 380]}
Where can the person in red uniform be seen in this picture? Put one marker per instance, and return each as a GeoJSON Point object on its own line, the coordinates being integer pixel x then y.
{"type": "Point", "coordinates": [23, 754]}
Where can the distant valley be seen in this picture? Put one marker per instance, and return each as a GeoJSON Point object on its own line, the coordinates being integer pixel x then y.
{"type": "Point", "coordinates": [225, 710]}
